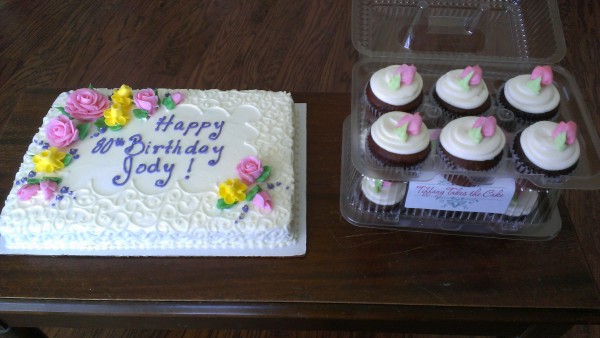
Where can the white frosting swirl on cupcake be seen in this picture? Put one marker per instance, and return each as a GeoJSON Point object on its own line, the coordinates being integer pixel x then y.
{"type": "Point", "coordinates": [383, 192]}
{"type": "Point", "coordinates": [521, 97]}
{"type": "Point", "coordinates": [405, 94]}
{"type": "Point", "coordinates": [450, 91]}
{"type": "Point", "coordinates": [383, 132]}
{"type": "Point", "coordinates": [538, 145]}
{"type": "Point", "coordinates": [456, 140]}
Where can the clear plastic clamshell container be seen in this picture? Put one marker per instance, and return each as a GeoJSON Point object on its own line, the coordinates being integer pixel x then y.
{"type": "Point", "coordinates": [506, 38]}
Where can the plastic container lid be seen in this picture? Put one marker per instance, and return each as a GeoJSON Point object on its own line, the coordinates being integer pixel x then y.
{"type": "Point", "coordinates": [487, 30]}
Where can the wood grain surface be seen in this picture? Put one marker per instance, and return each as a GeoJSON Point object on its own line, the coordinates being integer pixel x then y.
{"type": "Point", "coordinates": [302, 47]}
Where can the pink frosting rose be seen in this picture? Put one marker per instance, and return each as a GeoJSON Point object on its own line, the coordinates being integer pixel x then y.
{"type": "Point", "coordinates": [48, 189]}
{"type": "Point", "coordinates": [177, 97]}
{"type": "Point", "coordinates": [262, 200]}
{"type": "Point", "coordinates": [249, 169]}
{"type": "Point", "coordinates": [61, 132]}
{"type": "Point", "coordinates": [146, 99]}
{"type": "Point", "coordinates": [27, 191]}
{"type": "Point", "coordinates": [86, 104]}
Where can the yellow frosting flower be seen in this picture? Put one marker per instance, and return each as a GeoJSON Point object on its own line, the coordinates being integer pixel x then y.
{"type": "Point", "coordinates": [232, 190]}
{"type": "Point", "coordinates": [122, 96]}
{"type": "Point", "coordinates": [116, 115]}
{"type": "Point", "coordinates": [49, 160]}
{"type": "Point", "coordinates": [125, 90]}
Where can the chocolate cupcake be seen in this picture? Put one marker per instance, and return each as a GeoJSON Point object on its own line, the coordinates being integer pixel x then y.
{"type": "Point", "coordinates": [394, 88]}
{"type": "Point", "coordinates": [531, 97]}
{"type": "Point", "coordinates": [471, 143]}
{"type": "Point", "coordinates": [462, 92]}
{"type": "Point", "coordinates": [547, 148]}
{"type": "Point", "coordinates": [377, 195]}
{"type": "Point", "coordinates": [399, 139]}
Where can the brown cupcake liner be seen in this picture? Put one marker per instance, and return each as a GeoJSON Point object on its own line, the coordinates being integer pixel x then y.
{"type": "Point", "coordinates": [466, 180]}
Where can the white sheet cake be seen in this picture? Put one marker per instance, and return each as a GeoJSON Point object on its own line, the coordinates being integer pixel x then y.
{"type": "Point", "coordinates": [158, 170]}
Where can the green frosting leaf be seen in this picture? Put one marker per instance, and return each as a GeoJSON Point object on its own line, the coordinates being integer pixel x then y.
{"type": "Point", "coordinates": [222, 205]}
{"type": "Point", "coordinates": [158, 97]}
{"type": "Point", "coordinates": [64, 112]}
{"type": "Point", "coordinates": [535, 85]}
{"type": "Point", "coordinates": [33, 181]}
{"type": "Point", "coordinates": [378, 185]}
{"type": "Point", "coordinates": [83, 129]}
{"type": "Point", "coordinates": [560, 141]}
{"type": "Point", "coordinates": [265, 174]}
{"type": "Point", "coordinates": [401, 132]}
{"type": "Point", "coordinates": [90, 86]}
{"type": "Point", "coordinates": [168, 102]}
{"type": "Point", "coordinates": [475, 134]}
{"type": "Point", "coordinates": [394, 82]}
{"type": "Point", "coordinates": [100, 123]}
{"type": "Point", "coordinates": [115, 127]}
{"type": "Point", "coordinates": [68, 159]}
{"type": "Point", "coordinates": [53, 179]}
{"type": "Point", "coordinates": [464, 82]}
{"type": "Point", "coordinates": [141, 113]}
{"type": "Point", "coordinates": [250, 195]}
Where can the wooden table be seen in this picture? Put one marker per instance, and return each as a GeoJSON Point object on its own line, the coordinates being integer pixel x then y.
{"type": "Point", "coordinates": [352, 278]}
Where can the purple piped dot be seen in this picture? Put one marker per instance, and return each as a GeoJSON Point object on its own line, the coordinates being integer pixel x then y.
{"type": "Point", "coordinates": [245, 208]}
{"type": "Point", "coordinates": [270, 186]}
{"type": "Point", "coordinates": [64, 190]}
{"type": "Point", "coordinates": [73, 151]}
{"type": "Point", "coordinates": [59, 197]}
{"type": "Point", "coordinates": [102, 130]}
{"type": "Point", "coordinates": [278, 183]}
{"type": "Point", "coordinates": [76, 156]}
{"type": "Point", "coordinates": [31, 174]}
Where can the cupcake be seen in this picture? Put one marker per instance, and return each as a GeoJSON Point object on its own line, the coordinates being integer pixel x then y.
{"type": "Point", "coordinates": [399, 139]}
{"type": "Point", "coordinates": [531, 97]}
{"type": "Point", "coordinates": [379, 195]}
{"type": "Point", "coordinates": [472, 143]}
{"type": "Point", "coordinates": [394, 88]}
{"type": "Point", "coordinates": [522, 203]}
{"type": "Point", "coordinates": [547, 148]}
{"type": "Point", "coordinates": [462, 92]}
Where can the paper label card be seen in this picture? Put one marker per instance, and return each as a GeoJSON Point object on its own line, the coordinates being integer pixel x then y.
{"type": "Point", "coordinates": [440, 194]}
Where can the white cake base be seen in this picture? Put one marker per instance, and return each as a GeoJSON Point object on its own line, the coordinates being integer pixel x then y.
{"type": "Point", "coordinates": [298, 222]}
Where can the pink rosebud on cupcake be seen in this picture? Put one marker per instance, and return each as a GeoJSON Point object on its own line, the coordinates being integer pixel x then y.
{"type": "Point", "coordinates": [48, 188]}
{"type": "Point", "coordinates": [147, 100]}
{"type": "Point", "coordinates": [61, 132]}
{"type": "Point", "coordinates": [27, 191]}
{"type": "Point", "coordinates": [249, 169]}
{"type": "Point", "coordinates": [86, 104]}
{"type": "Point", "coordinates": [262, 200]}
